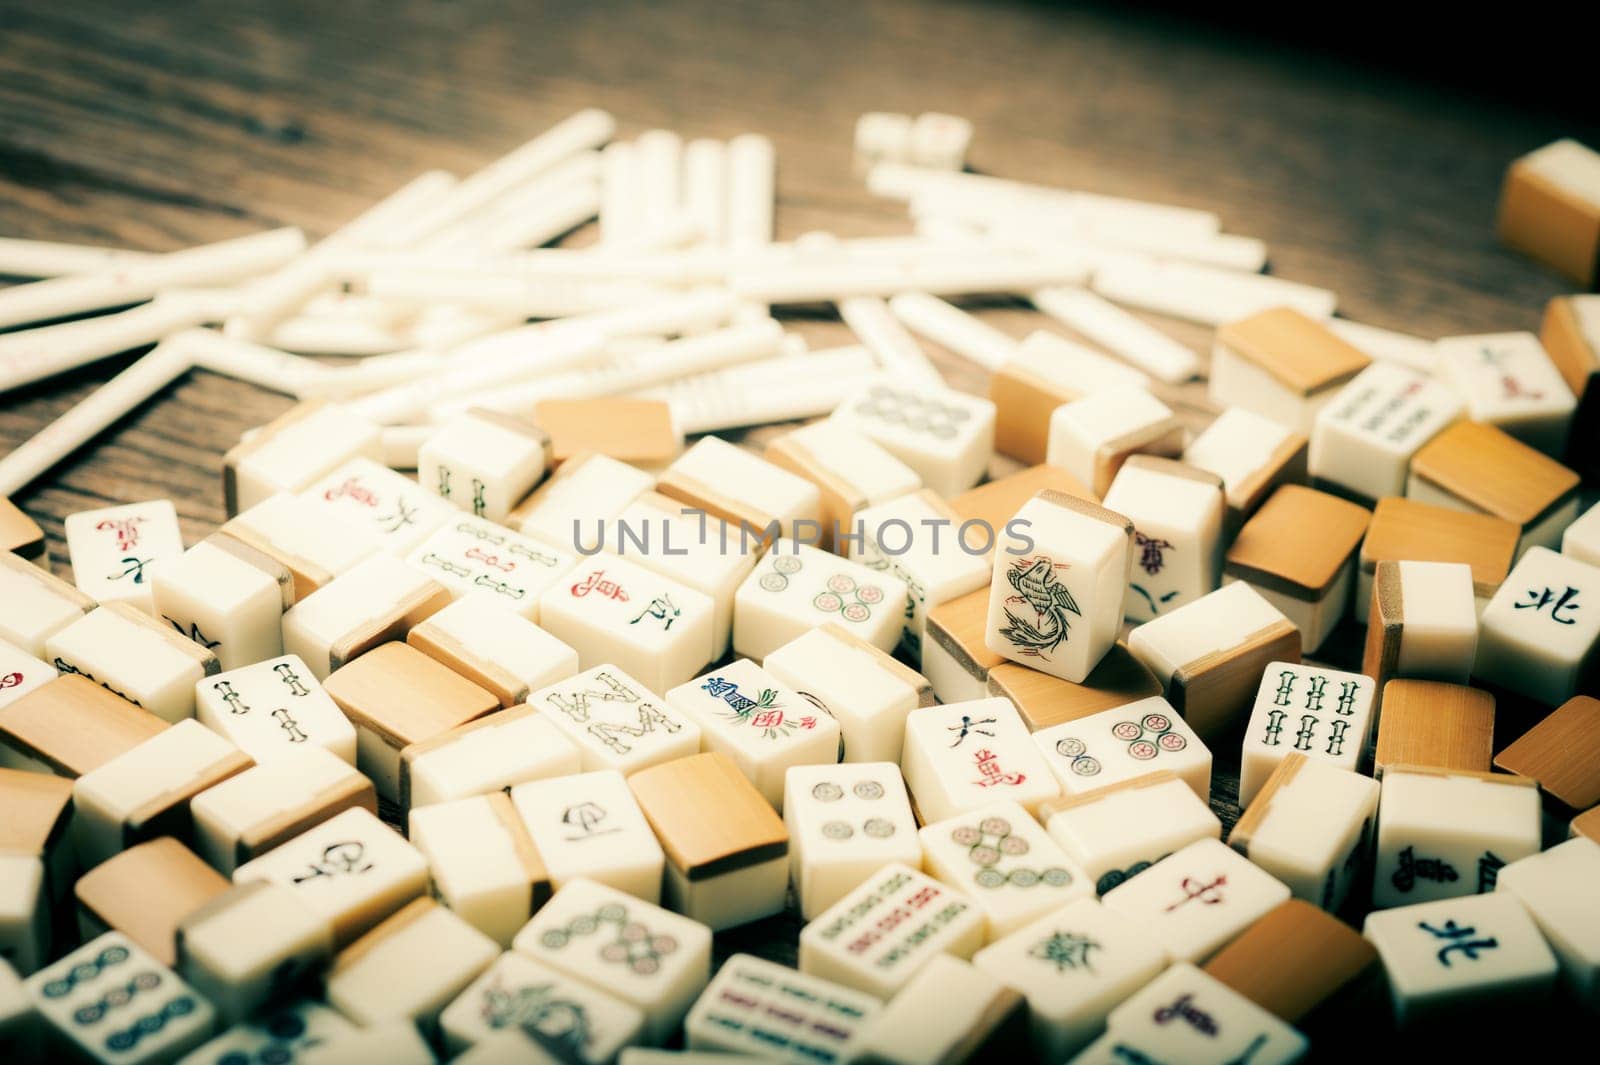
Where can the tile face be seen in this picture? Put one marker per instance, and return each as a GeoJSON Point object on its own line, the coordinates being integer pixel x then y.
{"type": "Point", "coordinates": [1091, 437]}
{"type": "Point", "coordinates": [949, 1010]}
{"type": "Point", "coordinates": [955, 658]}
{"type": "Point", "coordinates": [114, 1003]}
{"type": "Point", "coordinates": [287, 454]}
{"type": "Point", "coordinates": [494, 647]}
{"type": "Point", "coordinates": [409, 967]}
{"type": "Point", "coordinates": [1451, 955]}
{"type": "Point", "coordinates": [1364, 438]}
{"type": "Point", "coordinates": [1252, 454]}
{"type": "Point", "coordinates": [353, 869]}
{"type": "Point", "coordinates": [845, 822]}
{"type": "Point", "coordinates": [1581, 540]}
{"type": "Point", "coordinates": [398, 511]}
{"type": "Point", "coordinates": [1538, 635]}
{"type": "Point", "coordinates": [316, 547]}
{"type": "Point", "coordinates": [796, 588]}
{"type": "Point", "coordinates": [20, 673]}
{"type": "Point", "coordinates": [876, 937]}
{"type": "Point", "coordinates": [1118, 832]}
{"type": "Point", "coordinates": [589, 826]}
{"type": "Point", "coordinates": [1281, 364]}
{"type": "Point", "coordinates": [1550, 183]}
{"type": "Point", "coordinates": [397, 696]}
{"type": "Point", "coordinates": [642, 954]}
{"type": "Point", "coordinates": [143, 660]}
{"type": "Point", "coordinates": [35, 605]}
{"type": "Point", "coordinates": [483, 863]}
{"type": "Point", "coordinates": [962, 756]}
{"type": "Point", "coordinates": [771, 1011]}
{"type": "Point", "coordinates": [227, 597]}
{"type": "Point", "coordinates": [611, 610]}
{"type": "Point", "coordinates": [1186, 1015]}
{"type": "Point", "coordinates": [146, 892]}
{"type": "Point", "coordinates": [474, 557]}
{"type": "Point", "coordinates": [37, 826]}
{"type": "Point", "coordinates": [1177, 530]}
{"type": "Point", "coordinates": [1298, 552]}
{"type": "Point", "coordinates": [282, 1034]}
{"type": "Point", "coordinates": [1039, 375]}
{"type": "Point", "coordinates": [1324, 714]}
{"type": "Point", "coordinates": [917, 539]}
{"type": "Point", "coordinates": [266, 805]}
{"type": "Point", "coordinates": [1123, 744]}
{"type": "Point", "coordinates": [1310, 827]}
{"type": "Point", "coordinates": [1405, 530]}
{"type": "Point", "coordinates": [115, 550]}
{"type": "Point", "coordinates": [145, 791]}
{"type": "Point", "coordinates": [274, 707]}
{"type": "Point", "coordinates": [867, 692]}
{"type": "Point", "coordinates": [1442, 834]}
{"type": "Point", "coordinates": [248, 944]}
{"type": "Point", "coordinates": [764, 726]}
{"type": "Point", "coordinates": [25, 925]}
{"type": "Point", "coordinates": [1009, 866]}
{"type": "Point", "coordinates": [947, 437]}
{"type": "Point", "coordinates": [566, 511]}
{"type": "Point", "coordinates": [729, 482]}
{"type": "Point", "coordinates": [727, 851]}
{"type": "Point", "coordinates": [1206, 653]}
{"type": "Point", "coordinates": [1422, 622]}
{"type": "Point", "coordinates": [616, 722]}
{"type": "Point", "coordinates": [376, 600]}
{"type": "Point", "coordinates": [1060, 580]}
{"type": "Point", "coordinates": [486, 755]}
{"type": "Point", "coordinates": [708, 556]}
{"type": "Point", "coordinates": [1477, 467]}
{"type": "Point", "coordinates": [1509, 381]}
{"type": "Point", "coordinates": [517, 992]}
{"type": "Point", "coordinates": [483, 462]}
{"type": "Point", "coordinates": [1556, 889]}
{"type": "Point", "coordinates": [1074, 965]}
{"type": "Point", "coordinates": [850, 471]}
{"type": "Point", "coordinates": [396, 1042]}
{"type": "Point", "coordinates": [1198, 899]}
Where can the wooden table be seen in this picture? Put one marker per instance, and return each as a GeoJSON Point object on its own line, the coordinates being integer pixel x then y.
{"type": "Point", "coordinates": [155, 128]}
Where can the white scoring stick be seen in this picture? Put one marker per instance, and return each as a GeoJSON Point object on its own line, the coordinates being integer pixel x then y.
{"type": "Point", "coordinates": [705, 188]}
{"type": "Point", "coordinates": [1204, 294]}
{"type": "Point", "coordinates": [582, 132]}
{"type": "Point", "coordinates": [752, 183]}
{"type": "Point", "coordinates": [33, 354]}
{"type": "Point", "coordinates": [48, 258]}
{"type": "Point", "coordinates": [897, 351]}
{"type": "Point", "coordinates": [209, 264]}
{"type": "Point", "coordinates": [953, 328]}
{"type": "Point", "coordinates": [636, 369]}
{"type": "Point", "coordinates": [148, 374]}
{"type": "Point", "coordinates": [1118, 331]}
{"type": "Point", "coordinates": [271, 299]}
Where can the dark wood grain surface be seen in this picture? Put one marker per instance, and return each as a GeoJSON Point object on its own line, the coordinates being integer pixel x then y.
{"type": "Point", "coordinates": [160, 126]}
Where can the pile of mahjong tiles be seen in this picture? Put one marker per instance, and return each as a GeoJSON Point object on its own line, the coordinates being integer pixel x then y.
{"type": "Point", "coordinates": [613, 694]}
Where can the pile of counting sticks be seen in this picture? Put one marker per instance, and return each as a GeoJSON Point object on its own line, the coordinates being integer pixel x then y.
{"type": "Point", "coordinates": [613, 695]}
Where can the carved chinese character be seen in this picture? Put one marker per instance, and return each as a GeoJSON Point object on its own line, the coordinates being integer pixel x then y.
{"type": "Point", "coordinates": [1458, 938]}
